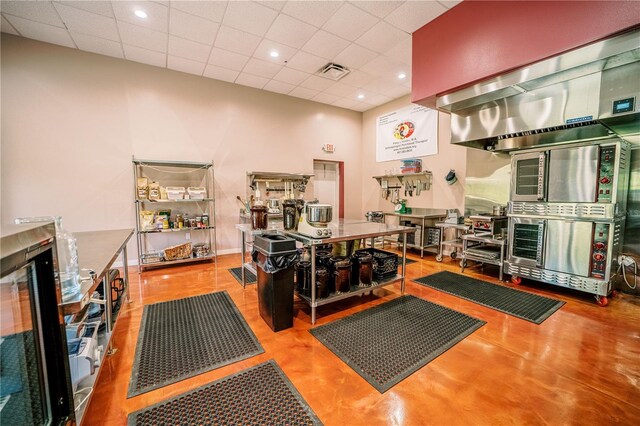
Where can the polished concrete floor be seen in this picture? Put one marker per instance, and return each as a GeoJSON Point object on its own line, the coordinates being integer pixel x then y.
{"type": "Point", "coordinates": [580, 366]}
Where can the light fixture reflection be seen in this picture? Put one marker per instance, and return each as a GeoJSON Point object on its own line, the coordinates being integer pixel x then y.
{"type": "Point", "coordinates": [140, 14]}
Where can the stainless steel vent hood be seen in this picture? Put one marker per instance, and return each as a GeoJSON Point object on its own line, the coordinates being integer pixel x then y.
{"type": "Point", "coordinates": [589, 93]}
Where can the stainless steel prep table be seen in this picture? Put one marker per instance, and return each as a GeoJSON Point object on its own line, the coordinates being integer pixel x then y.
{"type": "Point", "coordinates": [435, 215]}
{"type": "Point", "coordinates": [97, 251]}
{"type": "Point", "coordinates": [483, 239]}
{"type": "Point", "coordinates": [348, 231]}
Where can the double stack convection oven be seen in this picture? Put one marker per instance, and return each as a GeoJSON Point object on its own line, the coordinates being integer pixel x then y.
{"type": "Point", "coordinates": [567, 213]}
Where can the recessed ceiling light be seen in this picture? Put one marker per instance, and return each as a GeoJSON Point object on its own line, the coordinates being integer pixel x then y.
{"type": "Point", "coordinates": [361, 96]}
{"type": "Point", "coordinates": [274, 54]}
{"type": "Point", "coordinates": [140, 14]}
{"type": "Point", "coordinates": [402, 75]}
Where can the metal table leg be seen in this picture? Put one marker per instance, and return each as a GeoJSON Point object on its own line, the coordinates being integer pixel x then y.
{"type": "Point", "coordinates": [126, 273]}
{"type": "Point", "coordinates": [313, 284]}
{"type": "Point", "coordinates": [243, 251]}
{"type": "Point", "coordinates": [421, 242]}
{"type": "Point", "coordinates": [501, 258]}
{"type": "Point", "coordinates": [404, 261]}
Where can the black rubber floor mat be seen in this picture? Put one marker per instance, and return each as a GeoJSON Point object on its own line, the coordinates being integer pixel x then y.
{"type": "Point", "coordinates": [183, 338]}
{"type": "Point", "coordinates": [389, 342]}
{"type": "Point", "coordinates": [260, 395]}
{"type": "Point", "coordinates": [409, 261]}
{"type": "Point", "coordinates": [527, 306]}
{"type": "Point", "coordinates": [249, 276]}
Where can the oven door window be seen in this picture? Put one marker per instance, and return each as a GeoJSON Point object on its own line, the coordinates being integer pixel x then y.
{"type": "Point", "coordinates": [23, 399]}
{"type": "Point", "coordinates": [527, 172]}
{"type": "Point", "coordinates": [527, 241]}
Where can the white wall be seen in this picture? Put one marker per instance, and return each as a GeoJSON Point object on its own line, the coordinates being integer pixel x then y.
{"type": "Point", "coordinates": [71, 122]}
{"type": "Point", "coordinates": [441, 195]}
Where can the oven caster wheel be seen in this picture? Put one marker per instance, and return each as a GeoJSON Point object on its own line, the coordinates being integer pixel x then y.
{"type": "Point", "coordinates": [602, 300]}
{"type": "Point", "coordinates": [613, 294]}
{"type": "Point", "coordinates": [453, 255]}
{"type": "Point", "coordinates": [516, 280]}
{"type": "Point", "coordinates": [438, 258]}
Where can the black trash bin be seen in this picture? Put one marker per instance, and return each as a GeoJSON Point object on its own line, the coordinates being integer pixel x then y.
{"type": "Point", "coordinates": [275, 256]}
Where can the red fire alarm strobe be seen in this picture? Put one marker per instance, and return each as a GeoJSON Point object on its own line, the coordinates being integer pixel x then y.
{"type": "Point", "coordinates": [328, 147]}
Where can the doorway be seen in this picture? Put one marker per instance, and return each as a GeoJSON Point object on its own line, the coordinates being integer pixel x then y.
{"type": "Point", "coordinates": [328, 185]}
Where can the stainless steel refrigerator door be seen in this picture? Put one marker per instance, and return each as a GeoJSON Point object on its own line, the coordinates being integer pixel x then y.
{"type": "Point", "coordinates": [568, 246]}
{"type": "Point", "coordinates": [573, 175]}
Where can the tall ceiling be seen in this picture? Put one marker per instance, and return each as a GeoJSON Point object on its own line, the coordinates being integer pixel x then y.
{"type": "Point", "coordinates": [233, 41]}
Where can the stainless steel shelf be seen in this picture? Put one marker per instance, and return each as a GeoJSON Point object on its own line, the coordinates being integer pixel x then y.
{"type": "Point", "coordinates": [189, 200]}
{"type": "Point", "coordinates": [176, 262]}
{"type": "Point", "coordinates": [157, 231]}
{"type": "Point", "coordinates": [355, 291]}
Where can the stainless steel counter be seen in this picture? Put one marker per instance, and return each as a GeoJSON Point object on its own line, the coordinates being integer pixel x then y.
{"type": "Point", "coordinates": [353, 230]}
{"type": "Point", "coordinates": [424, 215]}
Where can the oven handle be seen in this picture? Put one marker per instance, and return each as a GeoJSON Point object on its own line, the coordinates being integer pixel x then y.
{"type": "Point", "coordinates": [542, 173]}
{"type": "Point", "coordinates": [542, 239]}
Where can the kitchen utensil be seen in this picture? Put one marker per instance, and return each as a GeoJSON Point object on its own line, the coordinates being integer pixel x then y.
{"type": "Point", "coordinates": [259, 217]}
{"type": "Point", "coordinates": [289, 214]}
{"type": "Point", "coordinates": [418, 188]}
{"type": "Point", "coordinates": [319, 214]}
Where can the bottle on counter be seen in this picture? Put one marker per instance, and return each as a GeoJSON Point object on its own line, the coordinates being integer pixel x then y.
{"type": "Point", "coordinates": [179, 221]}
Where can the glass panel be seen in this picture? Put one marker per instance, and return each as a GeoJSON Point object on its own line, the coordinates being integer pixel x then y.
{"type": "Point", "coordinates": [527, 176]}
{"type": "Point", "coordinates": [22, 399]}
{"type": "Point", "coordinates": [525, 241]}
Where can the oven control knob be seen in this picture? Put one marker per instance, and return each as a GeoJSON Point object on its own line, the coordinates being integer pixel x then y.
{"type": "Point", "coordinates": [319, 232]}
{"type": "Point", "coordinates": [487, 225]}
{"type": "Point", "coordinates": [605, 180]}
{"type": "Point", "coordinates": [599, 246]}
{"type": "Point", "coordinates": [598, 257]}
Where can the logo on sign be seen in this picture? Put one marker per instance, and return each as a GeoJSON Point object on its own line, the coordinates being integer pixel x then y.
{"type": "Point", "coordinates": [403, 130]}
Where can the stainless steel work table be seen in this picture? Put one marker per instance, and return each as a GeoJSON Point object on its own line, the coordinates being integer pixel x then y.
{"type": "Point", "coordinates": [97, 251]}
{"type": "Point", "coordinates": [424, 215]}
{"type": "Point", "coordinates": [487, 239]}
{"type": "Point", "coordinates": [348, 231]}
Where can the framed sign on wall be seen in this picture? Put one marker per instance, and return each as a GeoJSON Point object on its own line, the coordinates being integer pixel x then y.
{"type": "Point", "coordinates": [407, 133]}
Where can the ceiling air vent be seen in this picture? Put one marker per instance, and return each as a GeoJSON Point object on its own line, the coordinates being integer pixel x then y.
{"type": "Point", "coordinates": [333, 71]}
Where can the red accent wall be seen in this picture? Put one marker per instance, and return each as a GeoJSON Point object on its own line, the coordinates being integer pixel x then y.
{"type": "Point", "coordinates": [479, 39]}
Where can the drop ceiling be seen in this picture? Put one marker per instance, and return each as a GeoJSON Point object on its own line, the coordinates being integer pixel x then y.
{"type": "Point", "coordinates": [233, 41]}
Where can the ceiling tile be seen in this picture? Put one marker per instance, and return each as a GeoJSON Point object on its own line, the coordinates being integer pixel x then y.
{"type": "Point", "coordinates": [6, 27]}
{"type": "Point", "coordinates": [387, 88]}
{"type": "Point", "coordinates": [317, 83]}
{"type": "Point", "coordinates": [212, 10]}
{"type": "Point", "coordinates": [250, 17]}
{"type": "Point", "coordinates": [261, 68]}
{"type": "Point", "coordinates": [188, 49]}
{"type": "Point", "coordinates": [345, 103]}
{"type": "Point", "coordinates": [301, 92]}
{"type": "Point", "coordinates": [354, 56]}
{"type": "Point", "coordinates": [236, 41]}
{"type": "Point", "coordinates": [325, 98]}
{"type": "Point", "coordinates": [134, 35]}
{"type": "Point", "coordinates": [377, 8]}
{"type": "Point", "coordinates": [303, 61]}
{"type": "Point", "coordinates": [382, 37]}
{"type": "Point", "coordinates": [357, 78]}
{"type": "Point", "coordinates": [362, 107]}
{"type": "Point", "coordinates": [291, 76]}
{"type": "Point", "coordinates": [349, 22]}
{"type": "Point", "coordinates": [382, 66]}
{"type": "Point", "coordinates": [449, 3]}
{"type": "Point", "coordinates": [42, 32]}
{"type": "Point", "coordinates": [290, 31]}
{"type": "Point", "coordinates": [191, 27]}
{"type": "Point", "coordinates": [401, 52]}
{"type": "Point", "coordinates": [98, 45]}
{"type": "Point", "coordinates": [225, 59]}
{"type": "Point", "coordinates": [219, 73]}
{"type": "Point", "coordinates": [252, 80]}
{"type": "Point", "coordinates": [41, 11]}
{"type": "Point", "coordinates": [312, 12]}
{"type": "Point", "coordinates": [378, 99]}
{"type": "Point", "coordinates": [343, 90]}
{"type": "Point", "coordinates": [185, 65]}
{"type": "Point", "coordinates": [145, 56]}
{"type": "Point", "coordinates": [83, 22]}
{"type": "Point", "coordinates": [279, 87]}
{"type": "Point", "coordinates": [267, 46]}
{"type": "Point", "coordinates": [415, 14]}
{"type": "Point", "coordinates": [158, 14]}
{"type": "Point", "coordinates": [273, 4]}
{"type": "Point", "coordinates": [98, 7]}
{"type": "Point", "coordinates": [325, 45]}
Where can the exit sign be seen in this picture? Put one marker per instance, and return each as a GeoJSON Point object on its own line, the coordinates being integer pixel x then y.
{"type": "Point", "coordinates": [328, 147]}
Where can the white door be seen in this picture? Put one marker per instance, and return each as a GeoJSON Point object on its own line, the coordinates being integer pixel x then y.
{"type": "Point", "coordinates": [326, 185]}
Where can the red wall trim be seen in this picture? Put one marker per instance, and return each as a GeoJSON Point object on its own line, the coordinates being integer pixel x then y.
{"type": "Point", "coordinates": [479, 39]}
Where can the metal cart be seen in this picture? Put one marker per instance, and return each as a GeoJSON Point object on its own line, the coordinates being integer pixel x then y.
{"type": "Point", "coordinates": [455, 243]}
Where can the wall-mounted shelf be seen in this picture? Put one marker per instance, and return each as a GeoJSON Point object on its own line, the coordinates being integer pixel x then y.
{"type": "Point", "coordinates": [425, 179]}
